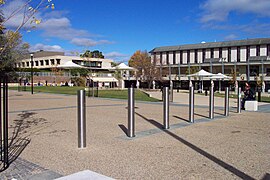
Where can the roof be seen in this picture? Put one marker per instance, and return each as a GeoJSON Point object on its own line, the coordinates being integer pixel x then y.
{"type": "Point", "coordinates": [246, 42]}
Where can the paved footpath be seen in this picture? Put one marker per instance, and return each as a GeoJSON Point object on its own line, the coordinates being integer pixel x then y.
{"type": "Point", "coordinates": [43, 128]}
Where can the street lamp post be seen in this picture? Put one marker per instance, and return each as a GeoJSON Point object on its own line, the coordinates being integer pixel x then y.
{"type": "Point", "coordinates": [32, 82]}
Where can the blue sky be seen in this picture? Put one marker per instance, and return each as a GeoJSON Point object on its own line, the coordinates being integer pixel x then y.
{"type": "Point", "coordinates": [120, 27]}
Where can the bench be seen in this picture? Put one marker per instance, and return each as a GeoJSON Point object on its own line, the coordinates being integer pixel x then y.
{"type": "Point", "coordinates": [251, 105]}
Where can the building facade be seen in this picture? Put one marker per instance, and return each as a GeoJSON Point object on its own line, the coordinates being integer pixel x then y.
{"type": "Point", "coordinates": [249, 58]}
{"type": "Point", "coordinates": [100, 69]}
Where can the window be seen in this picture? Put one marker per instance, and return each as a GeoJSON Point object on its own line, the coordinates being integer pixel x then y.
{"type": "Point", "coordinates": [36, 63]}
{"type": "Point", "coordinates": [155, 58]}
{"type": "Point", "coordinates": [47, 62]}
{"type": "Point", "coordinates": [268, 50]}
{"type": "Point", "coordinates": [23, 64]}
{"type": "Point", "coordinates": [58, 61]}
{"type": "Point", "coordinates": [52, 61]}
{"type": "Point", "coordinates": [41, 63]}
{"type": "Point", "coordinates": [27, 64]}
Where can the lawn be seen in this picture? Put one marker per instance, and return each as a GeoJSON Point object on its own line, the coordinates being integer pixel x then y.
{"type": "Point", "coordinates": [103, 93]}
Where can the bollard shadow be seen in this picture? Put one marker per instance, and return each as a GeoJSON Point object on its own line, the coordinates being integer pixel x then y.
{"type": "Point", "coordinates": [222, 114]}
{"type": "Point", "coordinates": [124, 129]}
{"type": "Point", "coordinates": [219, 162]}
{"type": "Point", "coordinates": [201, 115]}
{"type": "Point", "coordinates": [181, 118]}
{"type": "Point", "coordinates": [160, 126]}
{"type": "Point", "coordinates": [266, 177]}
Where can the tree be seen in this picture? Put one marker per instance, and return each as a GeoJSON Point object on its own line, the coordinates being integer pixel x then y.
{"type": "Point", "coordinates": [13, 52]}
{"type": "Point", "coordinates": [29, 9]}
{"type": "Point", "coordinates": [146, 70]}
{"type": "Point", "coordinates": [93, 54]}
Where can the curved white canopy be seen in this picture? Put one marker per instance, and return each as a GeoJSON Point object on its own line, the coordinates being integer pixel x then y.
{"type": "Point", "coordinates": [201, 73]}
{"type": "Point", "coordinates": [123, 66]}
{"type": "Point", "coordinates": [70, 65]}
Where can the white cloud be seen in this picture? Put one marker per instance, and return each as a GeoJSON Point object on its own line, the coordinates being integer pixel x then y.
{"type": "Point", "coordinates": [61, 28]}
{"type": "Point", "coordinates": [218, 10]}
{"type": "Point", "coordinates": [230, 37]}
{"type": "Point", "coordinates": [117, 56]}
{"type": "Point", "coordinates": [54, 24]}
{"type": "Point", "coordinates": [86, 42]}
{"type": "Point", "coordinates": [15, 20]}
{"type": "Point", "coordinates": [44, 47]}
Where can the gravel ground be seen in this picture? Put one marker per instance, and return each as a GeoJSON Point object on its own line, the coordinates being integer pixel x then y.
{"type": "Point", "coordinates": [234, 147]}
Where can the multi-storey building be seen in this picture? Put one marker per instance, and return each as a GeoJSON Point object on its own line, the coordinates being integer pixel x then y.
{"type": "Point", "coordinates": [250, 58]}
{"type": "Point", "coordinates": [101, 69]}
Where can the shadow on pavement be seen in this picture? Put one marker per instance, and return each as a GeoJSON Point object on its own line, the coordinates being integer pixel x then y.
{"type": "Point", "coordinates": [201, 151]}
{"type": "Point", "coordinates": [181, 118]}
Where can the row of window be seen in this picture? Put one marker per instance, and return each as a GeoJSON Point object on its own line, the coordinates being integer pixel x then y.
{"type": "Point", "coordinates": [230, 54]}
{"type": "Point", "coordinates": [39, 63]}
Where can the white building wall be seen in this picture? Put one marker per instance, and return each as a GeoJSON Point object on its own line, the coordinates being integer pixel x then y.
{"type": "Point", "coordinates": [152, 58]}
{"type": "Point", "coordinates": [177, 57]}
{"type": "Point", "coordinates": [208, 53]}
{"type": "Point", "coordinates": [164, 58]}
{"type": "Point", "coordinates": [184, 57]}
{"type": "Point", "coordinates": [192, 56]}
{"type": "Point", "coordinates": [225, 53]}
{"type": "Point", "coordinates": [252, 50]}
{"type": "Point", "coordinates": [171, 57]}
{"type": "Point", "coordinates": [234, 54]}
{"type": "Point", "coordinates": [200, 56]}
{"type": "Point", "coordinates": [216, 53]}
{"type": "Point", "coordinates": [263, 50]}
{"type": "Point", "coordinates": [243, 54]}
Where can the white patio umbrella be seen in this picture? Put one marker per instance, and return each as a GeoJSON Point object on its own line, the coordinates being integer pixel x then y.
{"type": "Point", "coordinates": [220, 76]}
{"type": "Point", "coordinates": [202, 73]}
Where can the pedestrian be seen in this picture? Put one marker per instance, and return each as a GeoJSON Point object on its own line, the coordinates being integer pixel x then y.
{"type": "Point", "coordinates": [248, 95]}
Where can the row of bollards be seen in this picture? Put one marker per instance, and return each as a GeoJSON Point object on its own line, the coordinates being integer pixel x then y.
{"type": "Point", "coordinates": [131, 120]}
{"type": "Point", "coordinates": [131, 111]}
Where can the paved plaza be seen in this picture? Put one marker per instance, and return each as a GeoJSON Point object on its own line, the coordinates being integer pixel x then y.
{"type": "Point", "coordinates": [43, 133]}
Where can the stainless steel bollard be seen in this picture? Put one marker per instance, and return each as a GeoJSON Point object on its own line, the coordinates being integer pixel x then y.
{"type": "Point", "coordinates": [81, 119]}
{"type": "Point", "coordinates": [191, 104]}
{"type": "Point", "coordinates": [226, 108]}
{"type": "Point", "coordinates": [166, 108]}
{"type": "Point", "coordinates": [211, 103]}
{"type": "Point", "coordinates": [171, 91]}
{"type": "Point", "coordinates": [131, 120]}
{"type": "Point", "coordinates": [239, 100]}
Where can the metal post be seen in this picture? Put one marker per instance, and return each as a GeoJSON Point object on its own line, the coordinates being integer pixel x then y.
{"type": "Point", "coordinates": [171, 91]}
{"type": "Point", "coordinates": [81, 119]}
{"type": "Point", "coordinates": [226, 109]}
{"type": "Point", "coordinates": [93, 92]}
{"type": "Point", "coordinates": [248, 71]}
{"type": "Point", "coordinates": [32, 74]}
{"type": "Point", "coordinates": [131, 119]}
{"type": "Point", "coordinates": [97, 87]}
{"type": "Point", "coordinates": [211, 102]}
{"type": "Point", "coordinates": [5, 120]}
{"type": "Point", "coordinates": [166, 108]}
{"type": "Point", "coordinates": [191, 104]}
{"type": "Point", "coordinates": [239, 100]}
